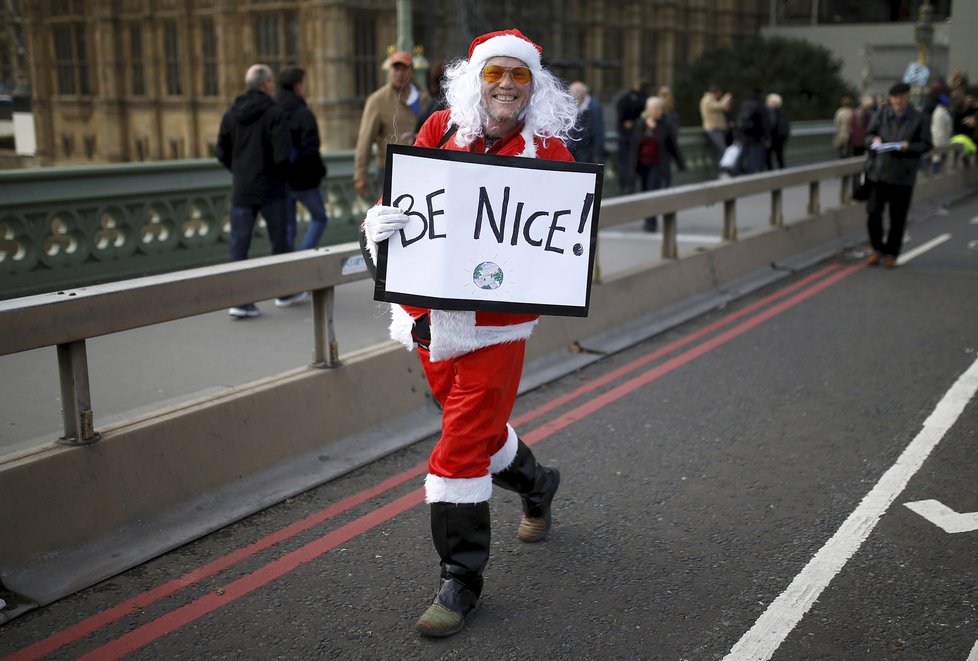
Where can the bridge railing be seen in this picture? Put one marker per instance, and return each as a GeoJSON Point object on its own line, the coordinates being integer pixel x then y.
{"type": "Point", "coordinates": [68, 318]}
{"type": "Point", "coordinates": [78, 226]}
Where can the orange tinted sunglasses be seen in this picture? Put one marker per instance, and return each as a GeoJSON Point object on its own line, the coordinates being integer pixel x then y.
{"type": "Point", "coordinates": [493, 73]}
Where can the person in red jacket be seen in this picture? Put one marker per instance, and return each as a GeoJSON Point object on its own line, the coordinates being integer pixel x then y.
{"type": "Point", "coordinates": [500, 101]}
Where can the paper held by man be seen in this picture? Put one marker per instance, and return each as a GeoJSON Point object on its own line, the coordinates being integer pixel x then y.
{"type": "Point", "coordinates": [490, 233]}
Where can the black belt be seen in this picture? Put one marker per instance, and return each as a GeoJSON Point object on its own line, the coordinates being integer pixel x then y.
{"type": "Point", "coordinates": [421, 332]}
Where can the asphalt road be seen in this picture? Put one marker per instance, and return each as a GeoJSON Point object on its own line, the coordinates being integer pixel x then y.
{"type": "Point", "coordinates": [703, 471]}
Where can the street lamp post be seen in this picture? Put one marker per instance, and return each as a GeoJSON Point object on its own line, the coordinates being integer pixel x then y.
{"type": "Point", "coordinates": [924, 36]}
{"type": "Point", "coordinates": [405, 42]}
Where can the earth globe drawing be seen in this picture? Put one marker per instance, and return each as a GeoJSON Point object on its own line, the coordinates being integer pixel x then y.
{"type": "Point", "coordinates": [487, 275]}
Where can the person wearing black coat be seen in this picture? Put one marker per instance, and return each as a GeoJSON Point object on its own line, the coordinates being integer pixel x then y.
{"type": "Point", "coordinates": [897, 137]}
{"type": "Point", "coordinates": [653, 144]}
{"type": "Point", "coordinates": [253, 142]}
{"type": "Point", "coordinates": [306, 169]}
{"type": "Point", "coordinates": [780, 130]}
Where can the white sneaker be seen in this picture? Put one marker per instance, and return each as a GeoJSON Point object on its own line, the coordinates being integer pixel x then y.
{"type": "Point", "coordinates": [286, 301]}
{"type": "Point", "coordinates": [244, 311]}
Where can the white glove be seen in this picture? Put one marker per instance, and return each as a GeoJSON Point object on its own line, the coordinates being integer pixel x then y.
{"type": "Point", "coordinates": [381, 222]}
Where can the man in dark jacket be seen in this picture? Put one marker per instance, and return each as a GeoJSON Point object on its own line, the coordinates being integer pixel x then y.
{"type": "Point", "coordinates": [897, 137]}
{"type": "Point", "coordinates": [306, 169]}
{"type": "Point", "coordinates": [753, 131]}
{"type": "Point", "coordinates": [587, 140]}
{"type": "Point", "coordinates": [629, 106]}
{"type": "Point", "coordinates": [254, 144]}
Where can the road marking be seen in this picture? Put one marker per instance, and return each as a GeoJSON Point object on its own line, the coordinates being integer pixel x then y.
{"type": "Point", "coordinates": [921, 249]}
{"type": "Point", "coordinates": [973, 244]}
{"type": "Point", "coordinates": [944, 517]}
{"type": "Point", "coordinates": [785, 612]}
{"type": "Point", "coordinates": [181, 616]}
{"type": "Point", "coordinates": [974, 221]}
{"type": "Point", "coordinates": [974, 650]}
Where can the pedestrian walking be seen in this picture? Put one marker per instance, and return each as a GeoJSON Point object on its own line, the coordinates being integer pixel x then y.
{"type": "Point", "coordinates": [501, 101]}
{"type": "Point", "coordinates": [714, 107]}
{"type": "Point", "coordinates": [780, 130]}
{"type": "Point", "coordinates": [897, 138]}
{"type": "Point", "coordinates": [655, 145]}
{"type": "Point", "coordinates": [629, 106]}
{"type": "Point", "coordinates": [843, 127]}
{"type": "Point", "coordinates": [389, 116]}
{"type": "Point", "coordinates": [254, 143]}
{"type": "Point", "coordinates": [306, 169]}
{"type": "Point", "coordinates": [586, 142]}
{"type": "Point", "coordinates": [753, 129]}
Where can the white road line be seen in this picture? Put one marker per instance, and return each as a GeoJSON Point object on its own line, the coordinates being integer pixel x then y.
{"type": "Point", "coordinates": [785, 612]}
{"type": "Point", "coordinates": [944, 517]}
{"type": "Point", "coordinates": [921, 249]}
{"type": "Point", "coordinates": [974, 653]}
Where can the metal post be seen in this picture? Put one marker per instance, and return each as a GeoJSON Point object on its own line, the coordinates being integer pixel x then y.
{"type": "Point", "coordinates": [670, 249]}
{"type": "Point", "coordinates": [76, 397]}
{"type": "Point", "coordinates": [405, 27]}
{"type": "Point", "coordinates": [596, 275]}
{"type": "Point", "coordinates": [814, 203]}
{"type": "Point", "coordinates": [326, 351]}
{"type": "Point", "coordinates": [777, 209]}
{"type": "Point", "coordinates": [730, 220]}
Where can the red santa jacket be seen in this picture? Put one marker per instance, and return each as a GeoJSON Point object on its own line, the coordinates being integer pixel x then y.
{"type": "Point", "coordinates": [454, 333]}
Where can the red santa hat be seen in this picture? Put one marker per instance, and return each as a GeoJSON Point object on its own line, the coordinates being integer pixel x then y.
{"type": "Point", "coordinates": [505, 43]}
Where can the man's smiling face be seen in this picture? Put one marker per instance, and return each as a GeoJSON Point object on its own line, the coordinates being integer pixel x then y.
{"type": "Point", "coordinates": [504, 100]}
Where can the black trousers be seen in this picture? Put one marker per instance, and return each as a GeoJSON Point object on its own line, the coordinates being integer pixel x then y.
{"type": "Point", "coordinates": [898, 197]}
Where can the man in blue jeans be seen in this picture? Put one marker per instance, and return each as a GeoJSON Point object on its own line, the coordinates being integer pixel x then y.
{"type": "Point", "coordinates": [254, 143]}
{"type": "Point", "coordinates": [306, 169]}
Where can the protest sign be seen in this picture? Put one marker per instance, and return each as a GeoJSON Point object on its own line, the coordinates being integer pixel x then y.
{"type": "Point", "coordinates": [489, 233]}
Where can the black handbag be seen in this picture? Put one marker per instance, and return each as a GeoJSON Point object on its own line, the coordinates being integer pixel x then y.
{"type": "Point", "coordinates": [864, 185]}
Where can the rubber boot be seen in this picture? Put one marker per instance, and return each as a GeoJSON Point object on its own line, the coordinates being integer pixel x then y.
{"type": "Point", "coordinates": [461, 536]}
{"type": "Point", "coordinates": [537, 486]}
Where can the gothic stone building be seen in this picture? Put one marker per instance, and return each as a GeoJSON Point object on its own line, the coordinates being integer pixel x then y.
{"type": "Point", "coordinates": [134, 80]}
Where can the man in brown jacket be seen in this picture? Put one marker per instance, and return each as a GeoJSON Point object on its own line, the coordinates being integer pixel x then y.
{"type": "Point", "coordinates": [389, 116]}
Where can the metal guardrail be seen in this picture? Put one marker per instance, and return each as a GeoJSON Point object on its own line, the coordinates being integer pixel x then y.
{"type": "Point", "coordinates": [67, 319]}
{"type": "Point", "coordinates": [78, 226]}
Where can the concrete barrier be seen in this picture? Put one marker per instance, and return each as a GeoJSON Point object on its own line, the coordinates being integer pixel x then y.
{"type": "Point", "coordinates": [75, 515]}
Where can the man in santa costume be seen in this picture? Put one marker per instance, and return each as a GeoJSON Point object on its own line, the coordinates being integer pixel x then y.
{"type": "Point", "coordinates": [500, 101]}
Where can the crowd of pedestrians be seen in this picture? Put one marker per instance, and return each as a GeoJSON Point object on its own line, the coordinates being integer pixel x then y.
{"type": "Point", "coordinates": [269, 140]}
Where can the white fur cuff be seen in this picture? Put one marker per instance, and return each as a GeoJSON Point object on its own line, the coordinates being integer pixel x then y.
{"type": "Point", "coordinates": [503, 459]}
{"type": "Point", "coordinates": [439, 489]}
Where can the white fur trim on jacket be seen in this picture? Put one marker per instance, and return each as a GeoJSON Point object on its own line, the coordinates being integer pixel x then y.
{"type": "Point", "coordinates": [506, 45]}
{"type": "Point", "coordinates": [453, 333]}
{"type": "Point", "coordinates": [439, 489]}
{"type": "Point", "coordinates": [401, 326]}
{"type": "Point", "coordinates": [530, 147]}
{"type": "Point", "coordinates": [505, 456]}
{"type": "Point", "coordinates": [372, 249]}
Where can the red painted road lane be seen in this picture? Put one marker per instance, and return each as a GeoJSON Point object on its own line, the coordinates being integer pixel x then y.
{"type": "Point", "coordinates": [154, 630]}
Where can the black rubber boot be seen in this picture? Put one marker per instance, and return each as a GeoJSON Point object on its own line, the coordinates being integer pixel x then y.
{"type": "Point", "coordinates": [461, 536]}
{"type": "Point", "coordinates": [537, 486]}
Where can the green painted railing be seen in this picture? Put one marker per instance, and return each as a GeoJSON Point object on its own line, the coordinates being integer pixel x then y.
{"type": "Point", "coordinates": [64, 228]}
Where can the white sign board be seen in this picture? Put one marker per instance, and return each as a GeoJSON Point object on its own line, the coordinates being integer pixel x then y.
{"type": "Point", "coordinates": [490, 233]}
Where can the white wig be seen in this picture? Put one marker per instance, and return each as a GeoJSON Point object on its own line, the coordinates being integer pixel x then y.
{"type": "Point", "coordinates": [550, 112]}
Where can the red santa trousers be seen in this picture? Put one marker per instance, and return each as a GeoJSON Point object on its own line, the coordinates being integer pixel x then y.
{"type": "Point", "coordinates": [476, 391]}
